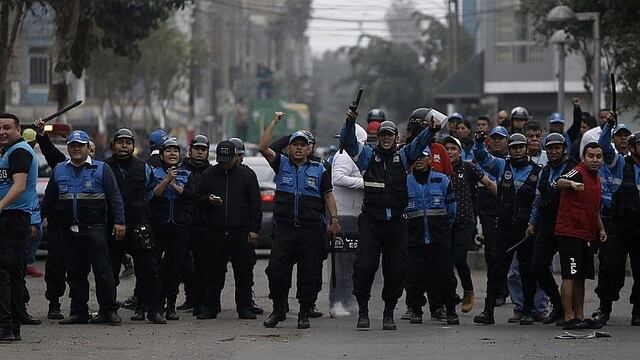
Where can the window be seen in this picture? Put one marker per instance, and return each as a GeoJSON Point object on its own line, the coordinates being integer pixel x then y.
{"type": "Point", "coordinates": [515, 42]}
{"type": "Point", "coordinates": [39, 66]}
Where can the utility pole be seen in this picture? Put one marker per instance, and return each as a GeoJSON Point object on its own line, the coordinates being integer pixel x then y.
{"type": "Point", "coordinates": [455, 27]}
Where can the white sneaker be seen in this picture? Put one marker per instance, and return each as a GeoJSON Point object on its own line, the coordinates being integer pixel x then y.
{"type": "Point", "coordinates": [338, 310]}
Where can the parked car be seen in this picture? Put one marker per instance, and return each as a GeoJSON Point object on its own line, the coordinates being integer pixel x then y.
{"type": "Point", "coordinates": [266, 177]}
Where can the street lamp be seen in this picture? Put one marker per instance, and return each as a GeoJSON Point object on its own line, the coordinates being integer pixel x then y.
{"type": "Point", "coordinates": [563, 13]}
{"type": "Point", "coordinates": [560, 38]}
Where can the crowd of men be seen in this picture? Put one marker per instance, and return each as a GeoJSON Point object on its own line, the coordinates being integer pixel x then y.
{"type": "Point", "coordinates": [415, 206]}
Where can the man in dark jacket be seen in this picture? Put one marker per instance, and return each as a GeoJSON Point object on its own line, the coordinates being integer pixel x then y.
{"type": "Point", "coordinates": [136, 184]}
{"type": "Point", "coordinates": [197, 162]}
{"type": "Point", "coordinates": [230, 195]}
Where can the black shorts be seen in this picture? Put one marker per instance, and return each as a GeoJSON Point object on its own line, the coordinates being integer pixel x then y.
{"type": "Point", "coordinates": [576, 258]}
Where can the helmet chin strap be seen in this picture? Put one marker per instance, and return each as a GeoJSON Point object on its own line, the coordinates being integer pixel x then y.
{"type": "Point", "coordinates": [519, 162]}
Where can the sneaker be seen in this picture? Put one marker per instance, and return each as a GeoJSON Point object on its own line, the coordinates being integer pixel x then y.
{"type": "Point", "coordinates": [517, 316]}
{"type": "Point", "coordinates": [33, 272]}
{"type": "Point", "coordinates": [338, 310]}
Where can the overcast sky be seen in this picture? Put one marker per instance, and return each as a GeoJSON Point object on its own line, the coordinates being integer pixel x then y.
{"type": "Point", "coordinates": [327, 33]}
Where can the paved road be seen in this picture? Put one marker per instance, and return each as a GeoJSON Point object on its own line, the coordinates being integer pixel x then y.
{"type": "Point", "coordinates": [230, 338]}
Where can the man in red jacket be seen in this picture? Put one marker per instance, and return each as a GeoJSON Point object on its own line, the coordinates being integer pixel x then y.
{"type": "Point", "coordinates": [577, 226]}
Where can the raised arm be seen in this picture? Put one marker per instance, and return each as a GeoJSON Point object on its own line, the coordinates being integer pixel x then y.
{"type": "Point", "coordinates": [488, 162]}
{"type": "Point", "coordinates": [267, 137]}
{"type": "Point", "coordinates": [411, 152]}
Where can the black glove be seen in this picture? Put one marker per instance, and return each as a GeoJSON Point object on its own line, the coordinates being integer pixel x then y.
{"type": "Point", "coordinates": [480, 136]}
{"type": "Point", "coordinates": [612, 119]}
{"type": "Point", "coordinates": [351, 120]}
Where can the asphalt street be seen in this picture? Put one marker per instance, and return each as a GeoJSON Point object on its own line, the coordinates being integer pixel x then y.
{"type": "Point", "coordinates": [230, 338]}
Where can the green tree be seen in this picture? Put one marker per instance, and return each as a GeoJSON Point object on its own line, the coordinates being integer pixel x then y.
{"type": "Point", "coordinates": [618, 33]}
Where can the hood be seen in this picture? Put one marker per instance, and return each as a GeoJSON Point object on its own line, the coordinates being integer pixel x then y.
{"type": "Point", "coordinates": [361, 134]}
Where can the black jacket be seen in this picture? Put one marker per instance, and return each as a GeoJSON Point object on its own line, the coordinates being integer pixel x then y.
{"type": "Point", "coordinates": [199, 218]}
{"type": "Point", "coordinates": [240, 192]}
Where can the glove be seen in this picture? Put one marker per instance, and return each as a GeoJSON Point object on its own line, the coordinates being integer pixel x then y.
{"type": "Point", "coordinates": [480, 136]}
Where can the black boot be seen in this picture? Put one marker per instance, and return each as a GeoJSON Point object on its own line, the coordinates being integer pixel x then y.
{"type": "Point", "coordinates": [303, 316]}
{"type": "Point", "coordinates": [16, 333]}
{"type": "Point", "coordinates": [156, 317]}
{"type": "Point", "coordinates": [256, 309]}
{"type": "Point", "coordinates": [186, 305]}
{"type": "Point", "coordinates": [387, 315]}
{"type": "Point", "coordinates": [313, 311]}
{"type": "Point", "coordinates": [245, 313]}
{"type": "Point", "coordinates": [605, 312]}
{"type": "Point", "coordinates": [416, 315]}
{"type": "Point", "coordinates": [486, 317]}
{"type": "Point", "coordinates": [635, 315]}
{"type": "Point", "coordinates": [170, 311]}
{"type": "Point", "coordinates": [279, 314]}
{"type": "Point", "coordinates": [6, 335]}
{"type": "Point", "coordinates": [363, 316]}
{"type": "Point", "coordinates": [556, 314]}
{"type": "Point", "coordinates": [452, 315]}
{"type": "Point", "coordinates": [27, 319]}
{"type": "Point", "coordinates": [407, 314]}
{"type": "Point", "coordinates": [54, 312]}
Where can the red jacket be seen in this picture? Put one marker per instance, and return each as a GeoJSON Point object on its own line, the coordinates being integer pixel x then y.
{"type": "Point", "coordinates": [579, 210]}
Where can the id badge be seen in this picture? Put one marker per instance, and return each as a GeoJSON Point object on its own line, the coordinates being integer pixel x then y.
{"type": "Point", "coordinates": [74, 228]}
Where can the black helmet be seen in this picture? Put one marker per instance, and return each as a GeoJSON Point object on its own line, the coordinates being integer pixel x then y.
{"type": "Point", "coordinates": [388, 126]}
{"type": "Point", "coordinates": [312, 139]}
{"type": "Point", "coordinates": [170, 142]}
{"type": "Point", "coordinates": [123, 133]}
{"type": "Point", "coordinates": [634, 138]}
{"type": "Point", "coordinates": [517, 139]}
{"type": "Point", "coordinates": [376, 115]}
{"type": "Point", "coordinates": [200, 140]}
{"type": "Point", "coordinates": [519, 112]}
{"type": "Point", "coordinates": [554, 138]}
{"type": "Point", "coordinates": [239, 144]}
{"type": "Point", "coordinates": [418, 116]}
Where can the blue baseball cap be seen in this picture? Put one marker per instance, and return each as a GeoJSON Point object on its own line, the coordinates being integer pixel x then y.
{"type": "Point", "coordinates": [299, 134]}
{"type": "Point", "coordinates": [621, 127]}
{"type": "Point", "coordinates": [556, 118]}
{"type": "Point", "coordinates": [499, 130]}
{"type": "Point", "coordinates": [78, 136]}
{"type": "Point", "coordinates": [456, 116]}
{"type": "Point", "coordinates": [426, 151]}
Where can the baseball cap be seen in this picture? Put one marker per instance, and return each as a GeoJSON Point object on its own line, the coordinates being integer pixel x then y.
{"type": "Point", "coordinates": [556, 118]}
{"type": "Point", "coordinates": [616, 130]}
{"type": "Point", "coordinates": [388, 126]}
{"type": "Point", "coordinates": [200, 140]}
{"type": "Point", "coordinates": [29, 135]}
{"type": "Point", "coordinates": [499, 130]}
{"type": "Point", "coordinates": [372, 127]}
{"type": "Point", "coordinates": [451, 139]}
{"type": "Point", "coordinates": [299, 134]}
{"type": "Point", "coordinates": [225, 151]}
{"type": "Point", "coordinates": [426, 151]}
{"type": "Point", "coordinates": [456, 117]}
{"type": "Point", "coordinates": [78, 136]}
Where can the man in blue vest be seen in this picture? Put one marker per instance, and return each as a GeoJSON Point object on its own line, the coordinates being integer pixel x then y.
{"type": "Point", "coordinates": [303, 191]}
{"type": "Point", "coordinates": [542, 221]}
{"type": "Point", "coordinates": [382, 224]}
{"type": "Point", "coordinates": [431, 211]}
{"type": "Point", "coordinates": [18, 177]}
{"type": "Point", "coordinates": [81, 196]}
{"type": "Point", "coordinates": [625, 205]}
{"type": "Point", "coordinates": [517, 177]}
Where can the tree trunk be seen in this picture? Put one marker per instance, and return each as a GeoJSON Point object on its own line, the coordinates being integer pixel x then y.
{"type": "Point", "coordinates": [7, 41]}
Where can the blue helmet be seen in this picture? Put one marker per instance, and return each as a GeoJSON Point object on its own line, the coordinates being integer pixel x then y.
{"type": "Point", "coordinates": [456, 116]}
{"type": "Point", "coordinates": [157, 138]}
{"type": "Point", "coordinates": [556, 118]}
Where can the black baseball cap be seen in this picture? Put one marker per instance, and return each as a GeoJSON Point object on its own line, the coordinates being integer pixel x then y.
{"type": "Point", "coordinates": [225, 151]}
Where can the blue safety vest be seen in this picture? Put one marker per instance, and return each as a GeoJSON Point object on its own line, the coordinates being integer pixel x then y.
{"type": "Point", "coordinates": [81, 197]}
{"type": "Point", "coordinates": [431, 209]}
{"type": "Point", "coordinates": [170, 207]}
{"type": "Point", "coordinates": [24, 202]}
{"type": "Point", "coordinates": [298, 196]}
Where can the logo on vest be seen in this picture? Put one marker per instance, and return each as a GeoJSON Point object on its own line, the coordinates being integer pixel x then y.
{"type": "Point", "coordinates": [396, 158]}
{"type": "Point", "coordinates": [88, 185]}
{"type": "Point", "coordinates": [287, 180]}
{"type": "Point", "coordinates": [507, 175]}
{"type": "Point", "coordinates": [311, 182]}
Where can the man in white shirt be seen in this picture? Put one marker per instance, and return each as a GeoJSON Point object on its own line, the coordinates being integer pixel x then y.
{"type": "Point", "coordinates": [348, 188]}
{"type": "Point", "coordinates": [593, 135]}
